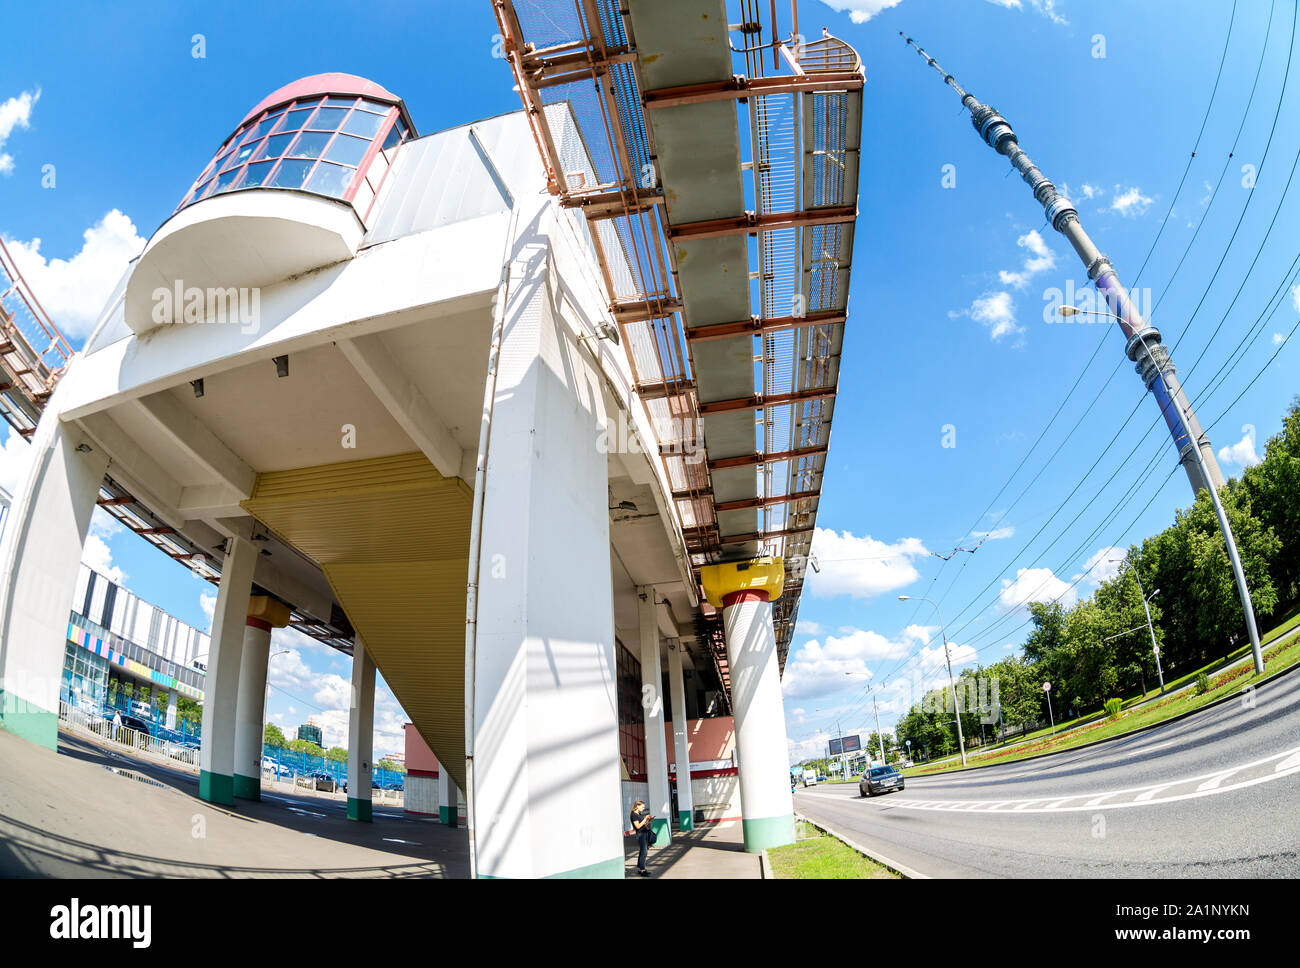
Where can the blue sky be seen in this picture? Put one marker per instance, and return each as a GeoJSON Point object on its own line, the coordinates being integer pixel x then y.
{"type": "Point", "coordinates": [947, 341]}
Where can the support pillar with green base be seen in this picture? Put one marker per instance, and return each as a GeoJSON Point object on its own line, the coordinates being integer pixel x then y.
{"type": "Point", "coordinates": [29, 721]}
{"type": "Point", "coordinates": [745, 590]}
{"type": "Point", "coordinates": [359, 809]}
{"type": "Point", "coordinates": [247, 787]}
{"type": "Point", "coordinates": [768, 832]}
{"type": "Point", "coordinates": [686, 821]}
{"type": "Point", "coordinates": [216, 788]}
{"type": "Point", "coordinates": [661, 831]}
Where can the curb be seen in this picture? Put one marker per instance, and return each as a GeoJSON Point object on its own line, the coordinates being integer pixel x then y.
{"type": "Point", "coordinates": [765, 867]}
{"type": "Point", "coordinates": [1227, 697]}
{"type": "Point", "coordinates": [901, 870]}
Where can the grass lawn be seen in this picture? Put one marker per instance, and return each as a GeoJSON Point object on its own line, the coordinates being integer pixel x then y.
{"type": "Point", "coordinates": [814, 855]}
{"type": "Point", "coordinates": [1276, 658]}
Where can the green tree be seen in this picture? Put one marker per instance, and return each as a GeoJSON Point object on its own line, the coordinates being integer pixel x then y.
{"type": "Point", "coordinates": [273, 737]}
{"type": "Point", "coordinates": [337, 754]}
{"type": "Point", "coordinates": [305, 746]}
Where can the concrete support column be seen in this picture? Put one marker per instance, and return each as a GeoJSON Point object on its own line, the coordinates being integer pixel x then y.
{"type": "Point", "coordinates": [744, 589]}
{"type": "Point", "coordinates": [221, 686]}
{"type": "Point", "coordinates": [448, 798]}
{"type": "Point", "coordinates": [264, 614]}
{"type": "Point", "coordinates": [544, 794]}
{"type": "Point", "coordinates": [170, 722]}
{"type": "Point", "coordinates": [652, 702]}
{"type": "Point", "coordinates": [39, 556]}
{"type": "Point", "coordinates": [681, 746]}
{"type": "Point", "coordinates": [361, 733]}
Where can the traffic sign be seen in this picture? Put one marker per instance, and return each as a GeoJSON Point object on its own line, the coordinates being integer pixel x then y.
{"type": "Point", "coordinates": [1047, 687]}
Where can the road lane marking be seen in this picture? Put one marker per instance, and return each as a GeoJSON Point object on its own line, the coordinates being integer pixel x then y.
{"type": "Point", "coordinates": [1214, 782]}
{"type": "Point", "coordinates": [1288, 763]}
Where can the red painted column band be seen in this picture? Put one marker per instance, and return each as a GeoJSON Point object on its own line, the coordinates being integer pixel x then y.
{"type": "Point", "coordinates": [744, 595]}
{"type": "Point", "coordinates": [258, 623]}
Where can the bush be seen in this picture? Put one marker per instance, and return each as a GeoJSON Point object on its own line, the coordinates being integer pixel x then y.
{"type": "Point", "coordinates": [1112, 708]}
{"type": "Point", "coordinates": [1202, 684]}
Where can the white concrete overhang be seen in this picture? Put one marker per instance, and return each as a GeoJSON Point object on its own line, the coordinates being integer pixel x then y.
{"type": "Point", "coordinates": [239, 240]}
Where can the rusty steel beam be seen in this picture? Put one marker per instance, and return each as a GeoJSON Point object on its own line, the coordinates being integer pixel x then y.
{"type": "Point", "coordinates": [751, 223]}
{"type": "Point", "coordinates": [611, 204]}
{"type": "Point", "coordinates": [644, 310]}
{"type": "Point", "coordinates": [764, 502]}
{"type": "Point", "coordinates": [761, 401]}
{"type": "Point", "coordinates": [669, 388]}
{"type": "Point", "coordinates": [743, 87]}
{"type": "Point", "coordinates": [751, 460]}
{"type": "Point", "coordinates": [763, 535]}
{"type": "Point", "coordinates": [757, 324]}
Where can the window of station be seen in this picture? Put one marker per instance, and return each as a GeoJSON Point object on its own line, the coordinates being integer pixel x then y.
{"type": "Point", "coordinates": [323, 145]}
{"type": "Point", "coordinates": [631, 715]}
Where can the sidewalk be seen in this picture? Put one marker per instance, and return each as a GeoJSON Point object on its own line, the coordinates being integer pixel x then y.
{"type": "Point", "coordinates": [711, 851]}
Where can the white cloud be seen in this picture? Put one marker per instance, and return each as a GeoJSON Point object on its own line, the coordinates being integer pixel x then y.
{"type": "Point", "coordinates": [1130, 203]}
{"type": "Point", "coordinates": [1090, 191]}
{"type": "Point", "coordinates": [997, 534]}
{"type": "Point", "coordinates": [1242, 453]}
{"type": "Point", "coordinates": [860, 11]}
{"type": "Point", "coordinates": [14, 455]}
{"type": "Point", "coordinates": [1035, 585]}
{"type": "Point", "coordinates": [16, 112]}
{"type": "Point", "coordinates": [96, 552]}
{"type": "Point", "coordinates": [997, 311]}
{"type": "Point", "coordinates": [841, 663]}
{"type": "Point", "coordinates": [861, 567]}
{"type": "Point", "coordinates": [1295, 296]}
{"type": "Point", "coordinates": [74, 291]}
{"type": "Point", "coordinates": [1103, 567]}
{"type": "Point", "coordinates": [1040, 259]}
{"type": "Point", "coordinates": [1278, 339]}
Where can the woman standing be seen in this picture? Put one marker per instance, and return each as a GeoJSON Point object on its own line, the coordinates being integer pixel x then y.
{"type": "Point", "coordinates": [641, 820]}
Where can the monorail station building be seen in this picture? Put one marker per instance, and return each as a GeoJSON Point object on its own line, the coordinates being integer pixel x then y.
{"type": "Point", "coordinates": [529, 414]}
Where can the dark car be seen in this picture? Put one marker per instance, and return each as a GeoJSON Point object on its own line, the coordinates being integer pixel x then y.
{"type": "Point", "coordinates": [880, 779]}
{"type": "Point", "coordinates": [324, 782]}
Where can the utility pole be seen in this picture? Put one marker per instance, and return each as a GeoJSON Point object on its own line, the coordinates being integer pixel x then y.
{"type": "Point", "coordinates": [1155, 649]}
{"type": "Point", "coordinates": [1143, 345]}
{"type": "Point", "coordinates": [884, 760]}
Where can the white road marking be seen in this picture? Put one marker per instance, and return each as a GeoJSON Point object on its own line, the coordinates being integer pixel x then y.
{"type": "Point", "coordinates": [1214, 782]}
{"type": "Point", "coordinates": [1288, 763]}
{"type": "Point", "coordinates": [309, 813]}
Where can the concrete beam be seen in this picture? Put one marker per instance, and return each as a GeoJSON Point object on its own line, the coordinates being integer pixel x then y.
{"type": "Point", "coordinates": [191, 435]}
{"type": "Point", "coordinates": [402, 398]}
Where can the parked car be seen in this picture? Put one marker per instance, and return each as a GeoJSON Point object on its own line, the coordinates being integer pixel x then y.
{"type": "Point", "coordinates": [880, 779]}
{"type": "Point", "coordinates": [324, 782]}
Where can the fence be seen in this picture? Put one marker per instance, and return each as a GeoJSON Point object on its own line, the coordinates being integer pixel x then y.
{"type": "Point", "coordinates": [181, 746]}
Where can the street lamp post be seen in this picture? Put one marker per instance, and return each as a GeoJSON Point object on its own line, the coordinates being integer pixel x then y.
{"type": "Point", "coordinates": [1174, 401]}
{"type": "Point", "coordinates": [1155, 649]}
{"type": "Point", "coordinates": [961, 742]}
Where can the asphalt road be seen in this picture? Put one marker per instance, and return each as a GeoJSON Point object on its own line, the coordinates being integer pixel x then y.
{"type": "Point", "coordinates": [1213, 795]}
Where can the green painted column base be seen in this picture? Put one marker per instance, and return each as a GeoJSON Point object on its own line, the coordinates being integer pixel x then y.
{"type": "Point", "coordinates": [216, 788]}
{"type": "Point", "coordinates": [768, 832]}
{"type": "Point", "coordinates": [606, 869]}
{"type": "Point", "coordinates": [448, 815]}
{"type": "Point", "coordinates": [686, 821]}
{"type": "Point", "coordinates": [359, 809]}
{"type": "Point", "coordinates": [662, 832]}
{"type": "Point", "coordinates": [246, 788]}
{"type": "Point", "coordinates": [29, 721]}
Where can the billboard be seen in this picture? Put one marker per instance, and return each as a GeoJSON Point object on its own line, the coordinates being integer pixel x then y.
{"type": "Point", "coordinates": [845, 744]}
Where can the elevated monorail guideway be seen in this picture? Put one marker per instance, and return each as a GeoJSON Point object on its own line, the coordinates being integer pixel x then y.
{"type": "Point", "coordinates": [724, 213]}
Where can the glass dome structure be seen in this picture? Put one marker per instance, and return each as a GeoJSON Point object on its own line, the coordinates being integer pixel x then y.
{"type": "Point", "coordinates": [329, 134]}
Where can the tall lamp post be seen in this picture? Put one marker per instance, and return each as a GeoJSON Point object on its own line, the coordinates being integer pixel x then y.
{"type": "Point", "coordinates": [1178, 420]}
{"type": "Point", "coordinates": [961, 742]}
{"type": "Point", "coordinates": [1155, 649]}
